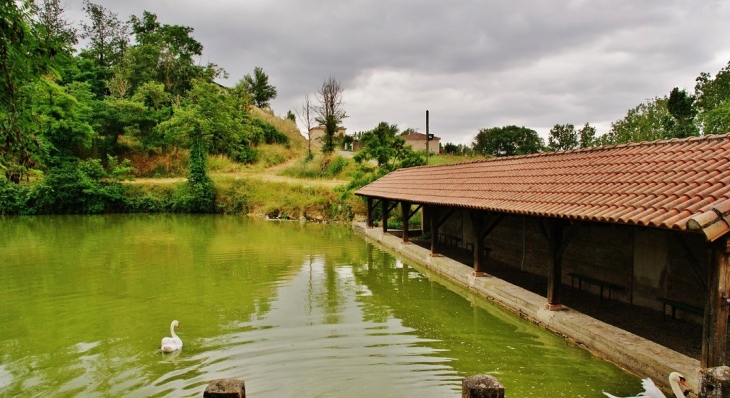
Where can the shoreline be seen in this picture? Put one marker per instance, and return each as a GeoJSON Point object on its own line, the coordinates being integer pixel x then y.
{"type": "Point", "coordinates": [635, 354]}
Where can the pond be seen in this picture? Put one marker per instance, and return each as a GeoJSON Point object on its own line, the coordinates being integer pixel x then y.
{"type": "Point", "coordinates": [295, 310]}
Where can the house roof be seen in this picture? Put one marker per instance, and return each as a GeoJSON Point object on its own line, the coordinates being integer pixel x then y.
{"type": "Point", "coordinates": [680, 184]}
{"type": "Point", "coordinates": [417, 137]}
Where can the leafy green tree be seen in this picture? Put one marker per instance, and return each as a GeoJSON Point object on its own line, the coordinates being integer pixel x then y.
{"type": "Point", "coordinates": [450, 148]}
{"type": "Point", "coordinates": [648, 121]}
{"type": "Point", "coordinates": [563, 137]}
{"type": "Point", "coordinates": [107, 36]}
{"type": "Point", "coordinates": [385, 145]}
{"type": "Point", "coordinates": [57, 27]}
{"type": "Point", "coordinates": [166, 52]}
{"type": "Point", "coordinates": [680, 106]}
{"type": "Point", "coordinates": [712, 101]}
{"type": "Point", "coordinates": [258, 86]}
{"type": "Point", "coordinates": [507, 141]}
{"type": "Point", "coordinates": [63, 115]}
{"type": "Point", "coordinates": [587, 136]}
{"type": "Point", "coordinates": [329, 112]}
{"type": "Point", "coordinates": [24, 57]}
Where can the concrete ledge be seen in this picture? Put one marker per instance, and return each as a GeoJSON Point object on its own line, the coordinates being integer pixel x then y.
{"type": "Point", "coordinates": [631, 352]}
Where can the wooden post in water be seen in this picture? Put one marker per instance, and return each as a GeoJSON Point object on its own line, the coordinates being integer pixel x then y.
{"type": "Point", "coordinates": [714, 382]}
{"type": "Point", "coordinates": [481, 386]}
{"type": "Point", "coordinates": [225, 388]}
{"type": "Point", "coordinates": [385, 204]}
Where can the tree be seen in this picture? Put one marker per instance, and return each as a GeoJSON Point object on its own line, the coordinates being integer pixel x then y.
{"type": "Point", "coordinates": [164, 52]}
{"type": "Point", "coordinates": [388, 148]}
{"type": "Point", "coordinates": [305, 116]}
{"type": "Point", "coordinates": [507, 141]}
{"type": "Point", "coordinates": [261, 91]}
{"type": "Point", "coordinates": [587, 136]}
{"type": "Point", "coordinates": [680, 106]}
{"type": "Point", "coordinates": [24, 57]}
{"type": "Point", "coordinates": [107, 35]}
{"type": "Point", "coordinates": [712, 101]}
{"type": "Point", "coordinates": [50, 15]}
{"type": "Point", "coordinates": [450, 148]}
{"type": "Point", "coordinates": [648, 121]}
{"type": "Point", "coordinates": [329, 112]}
{"type": "Point", "coordinates": [563, 137]}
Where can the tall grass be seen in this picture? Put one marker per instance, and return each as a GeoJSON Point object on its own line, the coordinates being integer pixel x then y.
{"type": "Point", "coordinates": [286, 126]}
{"type": "Point", "coordinates": [331, 167]}
{"type": "Point", "coordinates": [278, 200]}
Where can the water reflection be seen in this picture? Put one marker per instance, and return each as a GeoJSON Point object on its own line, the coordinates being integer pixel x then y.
{"type": "Point", "coordinates": [295, 310]}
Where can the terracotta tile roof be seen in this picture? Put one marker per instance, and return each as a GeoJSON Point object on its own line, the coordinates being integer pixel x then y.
{"type": "Point", "coordinates": [681, 184]}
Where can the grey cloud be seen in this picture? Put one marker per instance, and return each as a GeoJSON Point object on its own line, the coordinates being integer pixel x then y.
{"type": "Point", "coordinates": [527, 62]}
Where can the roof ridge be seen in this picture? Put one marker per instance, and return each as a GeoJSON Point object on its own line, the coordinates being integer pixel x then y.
{"type": "Point", "coordinates": [702, 138]}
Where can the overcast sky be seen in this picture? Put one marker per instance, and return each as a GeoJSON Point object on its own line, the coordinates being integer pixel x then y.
{"type": "Point", "coordinates": [472, 63]}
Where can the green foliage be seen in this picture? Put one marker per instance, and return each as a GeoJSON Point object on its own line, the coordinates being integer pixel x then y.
{"type": "Point", "coordinates": [259, 88]}
{"type": "Point", "coordinates": [25, 55]}
{"type": "Point", "coordinates": [680, 107]}
{"type": "Point", "coordinates": [712, 101]}
{"type": "Point", "coordinates": [385, 145]}
{"type": "Point", "coordinates": [507, 141]}
{"type": "Point", "coordinates": [328, 167]}
{"type": "Point", "coordinates": [649, 121]}
{"type": "Point", "coordinates": [107, 36]}
{"type": "Point", "coordinates": [565, 136]}
{"type": "Point", "coordinates": [63, 115]}
{"type": "Point", "coordinates": [12, 197]}
{"type": "Point", "coordinates": [76, 187]}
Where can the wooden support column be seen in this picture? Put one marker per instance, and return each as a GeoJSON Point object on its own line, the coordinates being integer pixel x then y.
{"type": "Point", "coordinates": [406, 210]}
{"type": "Point", "coordinates": [555, 272]}
{"type": "Point", "coordinates": [717, 308]}
{"type": "Point", "coordinates": [386, 210]}
{"type": "Point", "coordinates": [433, 212]}
{"type": "Point", "coordinates": [370, 212]}
{"type": "Point", "coordinates": [477, 225]}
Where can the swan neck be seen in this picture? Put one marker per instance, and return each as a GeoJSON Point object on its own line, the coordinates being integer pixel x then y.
{"type": "Point", "coordinates": [172, 330]}
{"type": "Point", "coordinates": [676, 390]}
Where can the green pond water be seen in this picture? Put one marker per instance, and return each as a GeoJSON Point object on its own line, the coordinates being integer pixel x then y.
{"type": "Point", "coordinates": [294, 310]}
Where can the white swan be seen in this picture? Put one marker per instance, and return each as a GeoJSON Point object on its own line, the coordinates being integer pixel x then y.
{"type": "Point", "coordinates": [170, 344]}
{"type": "Point", "coordinates": [652, 391]}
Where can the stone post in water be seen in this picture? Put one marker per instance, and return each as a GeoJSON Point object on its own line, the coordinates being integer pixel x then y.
{"type": "Point", "coordinates": [225, 388]}
{"type": "Point", "coordinates": [715, 382]}
{"type": "Point", "coordinates": [481, 386]}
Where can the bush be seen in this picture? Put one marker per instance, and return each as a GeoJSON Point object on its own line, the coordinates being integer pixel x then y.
{"type": "Point", "coordinates": [12, 197]}
{"type": "Point", "coordinates": [76, 187]}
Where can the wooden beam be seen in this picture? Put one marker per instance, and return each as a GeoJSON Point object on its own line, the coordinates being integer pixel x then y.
{"type": "Point", "coordinates": [555, 272]}
{"type": "Point", "coordinates": [413, 213]}
{"type": "Point", "coordinates": [717, 308]}
{"type": "Point", "coordinates": [694, 263]}
{"type": "Point", "coordinates": [477, 225]}
{"type": "Point", "coordinates": [386, 210]}
{"type": "Point", "coordinates": [446, 217]}
{"type": "Point", "coordinates": [433, 221]}
{"type": "Point", "coordinates": [406, 212]}
{"type": "Point", "coordinates": [493, 225]}
{"type": "Point", "coordinates": [370, 212]}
